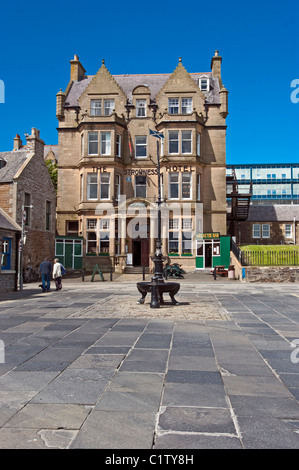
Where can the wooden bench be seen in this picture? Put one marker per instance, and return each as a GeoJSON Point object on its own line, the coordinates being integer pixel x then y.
{"type": "Point", "coordinates": [221, 271]}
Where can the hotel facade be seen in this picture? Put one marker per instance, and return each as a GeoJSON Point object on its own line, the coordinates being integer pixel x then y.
{"type": "Point", "coordinates": [109, 161]}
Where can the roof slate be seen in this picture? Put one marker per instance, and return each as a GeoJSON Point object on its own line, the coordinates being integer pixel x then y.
{"type": "Point", "coordinates": [154, 82]}
{"type": "Point", "coordinates": [14, 161]}
{"type": "Point", "coordinates": [7, 223]}
{"type": "Point", "coordinates": [273, 213]}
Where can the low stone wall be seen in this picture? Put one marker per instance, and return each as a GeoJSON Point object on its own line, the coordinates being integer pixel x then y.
{"type": "Point", "coordinates": [271, 274]}
{"type": "Point", "coordinates": [7, 281]}
{"type": "Point", "coordinates": [265, 273]}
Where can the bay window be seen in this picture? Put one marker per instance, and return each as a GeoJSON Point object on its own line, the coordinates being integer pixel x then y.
{"type": "Point", "coordinates": [118, 145]}
{"type": "Point", "coordinates": [186, 141]}
{"type": "Point", "coordinates": [186, 185]}
{"type": "Point", "coordinates": [180, 142]}
{"type": "Point", "coordinates": [105, 143]}
{"type": "Point", "coordinates": [92, 186]}
{"type": "Point", "coordinates": [173, 142]}
{"type": "Point", "coordinates": [105, 186]}
{"type": "Point", "coordinates": [173, 189]}
{"type": "Point", "coordinates": [93, 143]}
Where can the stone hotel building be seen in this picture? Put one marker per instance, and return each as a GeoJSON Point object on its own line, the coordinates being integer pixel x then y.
{"type": "Point", "coordinates": [108, 174]}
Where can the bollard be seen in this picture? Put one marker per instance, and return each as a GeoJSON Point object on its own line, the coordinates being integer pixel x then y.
{"type": "Point", "coordinates": [83, 274]}
{"type": "Point", "coordinates": [111, 272]}
{"type": "Point", "coordinates": [154, 291]}
{"type": "Point", "coordinates": [143, 273]}
{"type": "Point", "coordinates": [214, 274]}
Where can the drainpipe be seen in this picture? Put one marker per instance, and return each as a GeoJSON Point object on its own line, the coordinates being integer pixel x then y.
{"type": "Point", "coordinates": [294, 230]}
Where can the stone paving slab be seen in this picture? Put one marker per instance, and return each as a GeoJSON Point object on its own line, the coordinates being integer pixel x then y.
{"type": "Point", "coordinates": [90, 368]}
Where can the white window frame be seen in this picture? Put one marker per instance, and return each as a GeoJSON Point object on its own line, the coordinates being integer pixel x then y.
{"type": "Point", "coordinates": [137, 185]}
{"type": "Point", "coordinates": [139, 145]}
{"type": "Point", "coordinates": [177, 140]}
{"type": "Point", "coordinates": [187, 107]}
{"type": "Point", "coordinates": [91, 184]}
{"type": "Point", "coordinates": [105, 144]}
{"type": "Point", "coordinates": [186, 182]}
{"type": "Point", "coordinates": [96, 107]}
{"type": "Point", "coordinates": [141, 108]}
{"type": "Point", "coordinates": [198, 176]}
{"type": "Point", "coordinates": [109, 105]}
{"type": "Point", "coordinates": [172, 183]}
{"type": "Point", "coordinates": [288, 230]}
{"type": "Point", "coordinates": [187, 240]}
{"type": "Point", "coordinates": [118, 145]}
{"type": "Point", "coordinates": [265, 230]}
{"type": "Point", "coordinates": [174, 106]}
{"type": "Point", "coordinates": [256, 230]}
{"type": "Point", "coordinates": [204, 84]}
{"type": "Point", "coordinates": [117, 187]}
{"type": "Point", "coordinates": [105, 184]}
{"type": "Point", "coordinates": [95, 141]}
{"type": "Point", "coordinates": [198, 136]}
{"type": "Point", "coordinates": [186, 140]}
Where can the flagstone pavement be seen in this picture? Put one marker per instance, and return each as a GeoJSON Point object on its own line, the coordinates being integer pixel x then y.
{"type": "Point", "coordinates": [88, 367]}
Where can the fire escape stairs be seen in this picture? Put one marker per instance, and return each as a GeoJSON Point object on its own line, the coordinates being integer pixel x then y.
{"type": "Point", "coordinates": [239, 203]}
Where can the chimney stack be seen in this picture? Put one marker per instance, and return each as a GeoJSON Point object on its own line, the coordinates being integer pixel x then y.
{"type": "Point", "coordinates": [34, 143]}
{"type": "Point", "coordinates": [17, 143]}
{"type": "Point", "coordinates": [216, 67]}
{"type": "Point", "coordinates": [77, 69]}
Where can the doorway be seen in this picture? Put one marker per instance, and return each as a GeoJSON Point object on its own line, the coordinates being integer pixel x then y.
{"type": "Point", "coordinates": [141, 252]}
{"type": "Point", "coordinates": [208, 254]}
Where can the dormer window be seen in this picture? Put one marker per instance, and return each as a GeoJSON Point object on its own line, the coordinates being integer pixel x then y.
{"type": "Point", "coordinates": [141, 108]}
{"type": "Point", "coordinates": [204, 84]}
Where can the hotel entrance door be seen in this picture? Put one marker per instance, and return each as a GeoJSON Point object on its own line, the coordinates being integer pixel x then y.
{"type": "Point", "coordinates": [141, 252]}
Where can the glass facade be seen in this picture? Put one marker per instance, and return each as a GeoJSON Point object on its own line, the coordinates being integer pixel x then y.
{"type": "Point", "coordinates": [270, 183]}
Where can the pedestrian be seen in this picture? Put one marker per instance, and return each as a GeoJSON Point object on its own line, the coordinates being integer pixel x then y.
{"type": "Point", "coordinates": [57, 274]}
{"type": "Point", "coordinates": [45, 269]}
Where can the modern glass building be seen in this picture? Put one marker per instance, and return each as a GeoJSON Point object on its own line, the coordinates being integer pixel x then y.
{"type": "Point", "coordinates": [271, 184]}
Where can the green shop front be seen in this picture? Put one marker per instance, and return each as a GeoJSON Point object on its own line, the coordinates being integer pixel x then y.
{"type": "Point", "coordinates": [69, 251]}
{"type": "Point", "coordinates": [212, 249]}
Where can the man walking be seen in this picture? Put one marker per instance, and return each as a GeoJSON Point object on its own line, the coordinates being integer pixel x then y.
{"type": "Point", "coordinates": [57, 274]}
{"type": "Point", "coordinates": [45, 269]}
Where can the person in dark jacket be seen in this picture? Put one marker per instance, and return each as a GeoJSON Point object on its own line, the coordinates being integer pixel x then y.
{"type": "Point", "coordinates": [46, 269]}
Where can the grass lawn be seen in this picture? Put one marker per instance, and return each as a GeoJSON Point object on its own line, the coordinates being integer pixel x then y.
{"type": "Point", "coordinates": [270, 255]}
{"type": "Point", "coordinates": [269, 248]}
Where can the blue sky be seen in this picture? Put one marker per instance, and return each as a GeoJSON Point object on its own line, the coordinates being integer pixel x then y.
{"type": "Point", "coordinates": [258, 42]}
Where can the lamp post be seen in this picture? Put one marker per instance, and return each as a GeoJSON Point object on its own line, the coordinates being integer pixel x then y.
{"type": "Point", "coordinates": [158, 257]}
{"type": "Point", "coordinates": [158, 286]}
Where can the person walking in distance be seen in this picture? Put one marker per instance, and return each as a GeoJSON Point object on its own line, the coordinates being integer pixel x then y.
{"type": "Point", "coordinates": [57, 274]}
{"type": "Point", "coordinates": [45, 269]}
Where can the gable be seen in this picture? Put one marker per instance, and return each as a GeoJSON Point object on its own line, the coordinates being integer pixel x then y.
{"type": "Point", "coordinates": [180, 84]}
{"type": "Point", "coordinates": [103, 85]}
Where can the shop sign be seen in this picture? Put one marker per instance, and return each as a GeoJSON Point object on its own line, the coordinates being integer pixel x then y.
{"type": "Point", "coordinates": [207, 236]}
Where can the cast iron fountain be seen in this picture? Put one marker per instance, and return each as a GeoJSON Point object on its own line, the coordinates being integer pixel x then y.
{"type": "Point", "coordinates": [158, 286]}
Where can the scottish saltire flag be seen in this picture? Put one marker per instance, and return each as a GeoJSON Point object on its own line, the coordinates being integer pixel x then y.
{"type": "Point", "coordinates": [157, 134]}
